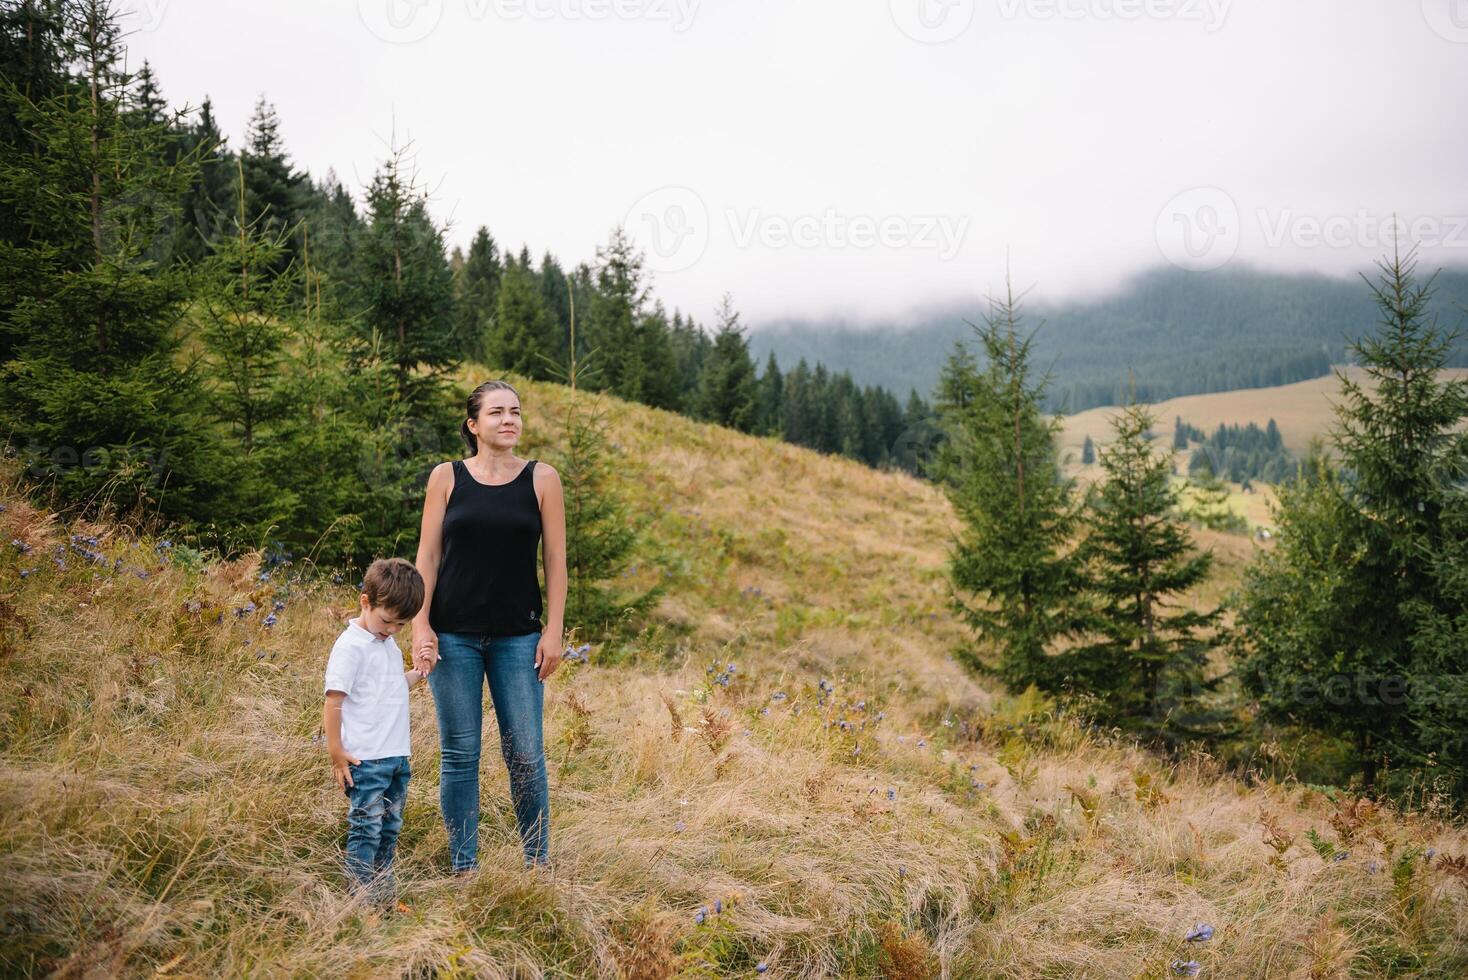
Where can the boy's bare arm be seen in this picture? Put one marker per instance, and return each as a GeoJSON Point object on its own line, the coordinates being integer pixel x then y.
{"type": "Point", "coordinates": [331, 721]}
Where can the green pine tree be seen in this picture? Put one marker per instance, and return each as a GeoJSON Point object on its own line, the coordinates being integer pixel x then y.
{"type": "Point", "coordinates": [661, 387]}
{"type": "Point", "coordinates": [242, 312]}
{"type": "Point", "coordinates": [93, 387]}
{"type": "Point", "coordinates": [1013, 576]}
{"type": "Point", "coordinates": [771, 398]}
{"type": "Point", "coordinates": [727, 388]}
{"type": "Point", "coordinates": [1349, 623]}
{"type": "Point", "coordinates": [476, 285]}
{"type": "Point", "coordinates": [520, 336]}
{"type": "Point", "coordinates": [277, 193]}
{"type": "Point", "coordinates": [600, 536]}
{"type": "Point", "coordinates": [404, 287]}
{"type": "Point", "coordinates": [1146, 658]}
{"type": "Point", "coordinates": [796, 409]}
{"type": "Point", "coordinates": [616, 316]}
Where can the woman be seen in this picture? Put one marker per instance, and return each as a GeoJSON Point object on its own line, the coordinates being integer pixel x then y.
{"type": "Point", "coordinates": [482, 520]}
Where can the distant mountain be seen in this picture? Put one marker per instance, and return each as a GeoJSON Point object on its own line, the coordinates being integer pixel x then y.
{"type": "Point", "coordinates": [1179, 332]}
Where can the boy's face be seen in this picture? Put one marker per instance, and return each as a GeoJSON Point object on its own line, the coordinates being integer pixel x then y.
{"type": "Point", "coordinates": [381, 621]}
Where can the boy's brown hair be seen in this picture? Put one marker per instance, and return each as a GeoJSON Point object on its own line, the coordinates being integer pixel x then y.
{"type": "Point", "coordinates": [394, 583]}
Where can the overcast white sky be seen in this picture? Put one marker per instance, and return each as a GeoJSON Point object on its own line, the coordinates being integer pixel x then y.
{"type": "Point", "coordinates": [862, 157]}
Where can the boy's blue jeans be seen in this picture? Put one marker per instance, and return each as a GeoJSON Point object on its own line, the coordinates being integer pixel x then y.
{"type": "Point", "coordinates": [374, 818]}
{"type": "Point", "coordinates": [465, 662]}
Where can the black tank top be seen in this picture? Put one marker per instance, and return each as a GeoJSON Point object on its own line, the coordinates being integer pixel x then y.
{"type": "Point", "coordinates": [486, 578]}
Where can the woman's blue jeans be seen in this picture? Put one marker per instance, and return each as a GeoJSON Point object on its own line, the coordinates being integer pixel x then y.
{"type": "Point", "coordinates": [465, 661]}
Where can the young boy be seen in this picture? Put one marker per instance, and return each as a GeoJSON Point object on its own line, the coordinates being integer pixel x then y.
{"type": "Point", "coordinates": [366, 722]}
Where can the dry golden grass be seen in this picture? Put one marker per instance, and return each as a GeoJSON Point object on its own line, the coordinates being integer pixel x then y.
{"type": "Point", "coordinates": [1301, 410]}
{"type": "Point", "coordinates": [165, 808]}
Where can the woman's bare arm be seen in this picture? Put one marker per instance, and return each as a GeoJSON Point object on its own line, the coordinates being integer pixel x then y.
{"type": "Point", "coordinates": [430, 553]}
{"type": "Point", "coordinates": [553, 537]}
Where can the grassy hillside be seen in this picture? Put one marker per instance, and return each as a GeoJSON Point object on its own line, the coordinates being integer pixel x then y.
{"type": "Point", "coordinates": [1302, 410]}
{"type": "Point", "coordinates": [855, 803]}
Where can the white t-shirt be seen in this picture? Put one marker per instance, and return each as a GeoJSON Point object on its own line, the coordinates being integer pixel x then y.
{"type": "Point", "coordinates": [369, 672]}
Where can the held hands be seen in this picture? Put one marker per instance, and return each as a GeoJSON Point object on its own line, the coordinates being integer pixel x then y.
{"type": "Point", "coordinates": [341, 763]}
{"type": "Point", "coordinates": [425, 648]}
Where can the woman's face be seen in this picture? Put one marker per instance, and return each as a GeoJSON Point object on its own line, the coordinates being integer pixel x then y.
{"type": "Point", "coordinates": [498, 423]}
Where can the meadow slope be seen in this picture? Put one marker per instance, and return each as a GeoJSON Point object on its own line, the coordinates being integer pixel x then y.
{"type": "Point", "coordinates": [854, 802]}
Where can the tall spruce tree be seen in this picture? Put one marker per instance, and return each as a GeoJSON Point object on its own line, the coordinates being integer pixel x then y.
{"type": "Point", "coordinates": [770, 398]}
{"type": "Point", "coordinates": [1347, 624]}
{"type": "Point", "coordinates": [1014, 578]}
{"type": "Point", "coordinates": [600, 536]}
{"type": "Point", "coordinates": [92, 386]}
{"type": "Point", "coordinates": [797, 408]}
{"type": "Point", "coordinates": [615, 318]}
{"type": "Point", "coordinates": [349, 484]}
{"type": "Point", "coordinates": [521, 337]}
{"type": "Point", "coordinates": [277, 193]}
{"type": "Point", "coordinates": [727, 387]}
{"type": "Point", "coordinates": [661, 386]}
{"type": "Point", "coordinates": [404, 287]}
{"type": "Point", "coordinates": [207, 202]}
{"type": "Point", "coordinates": [691, 347]}
{"type": "Point", "coordinates": [476, 283]}
{"type": "Point", "coordinates": [1146, 659]}
{"type": "Point", "coordinates": [243, 313]}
